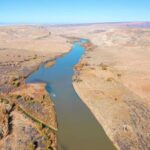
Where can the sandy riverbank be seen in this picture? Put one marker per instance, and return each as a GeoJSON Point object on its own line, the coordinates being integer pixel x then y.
{"type": "Point", "coordinates": [22, 125]}
{"type": "Point", "coordinates": [113, 81]}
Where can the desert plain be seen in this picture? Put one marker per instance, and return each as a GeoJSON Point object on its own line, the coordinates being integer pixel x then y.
{"type": "Point", "coordinates": [112, 79]}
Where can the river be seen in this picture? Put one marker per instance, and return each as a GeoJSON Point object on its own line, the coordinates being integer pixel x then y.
{"type": "Point", "coordinates": [77, 127]}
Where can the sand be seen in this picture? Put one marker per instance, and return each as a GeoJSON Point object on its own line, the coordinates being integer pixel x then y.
{"type": "Point", "coordinates": [112, 79]}
{"type": "Point", "coordinates": [22, 125]}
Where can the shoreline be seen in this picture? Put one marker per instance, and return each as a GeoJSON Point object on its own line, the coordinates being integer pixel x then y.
{"type": "Point", "coordinates": [77, 68]}
{"type": "Point", "coordinates": [105, 107]}
{"type": "Point", "coordinates": [26, 100]}
{"type": "Point", "coordinates": [88, 47]}
{"type": "Point", "coordinates": [26, 104]}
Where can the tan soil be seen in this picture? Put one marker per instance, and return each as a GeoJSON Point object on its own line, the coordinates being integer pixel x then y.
{"type": "Point", "coordinates": [28, 119]}
{"type": "Point", "coordinates": [113, 79]}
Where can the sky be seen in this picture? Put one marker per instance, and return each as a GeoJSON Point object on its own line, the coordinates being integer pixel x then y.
{"type": "Point", "coordinates": [73, 11]}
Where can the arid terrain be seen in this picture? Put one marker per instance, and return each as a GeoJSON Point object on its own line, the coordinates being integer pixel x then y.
{"type": "Point", "coordinates": [22, 107]}
{"type": "Point", "coordinates": [112, 79]}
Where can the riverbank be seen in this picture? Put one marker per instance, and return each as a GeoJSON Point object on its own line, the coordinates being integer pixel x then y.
{"type": "Point", "coordinates": [102, 82]}
{"type": "Point", "coordinates": [22, 125]}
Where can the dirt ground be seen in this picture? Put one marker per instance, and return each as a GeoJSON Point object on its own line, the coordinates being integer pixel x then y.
{"type": "Point", "coordinates": [22, 107]}
{"type": "Point", "coordinates": [112, 79]}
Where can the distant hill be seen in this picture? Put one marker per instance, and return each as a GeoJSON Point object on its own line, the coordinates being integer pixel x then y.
{"type": "Point", "coordinates": [115, 24]}
{"type": "Point", "coordinates": [136, 24]}
{"type": "Point", "coordinates": [128, 24]}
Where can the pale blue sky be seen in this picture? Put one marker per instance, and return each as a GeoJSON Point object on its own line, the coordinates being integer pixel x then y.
{"type": "Point", "coordinates": [73, 11]}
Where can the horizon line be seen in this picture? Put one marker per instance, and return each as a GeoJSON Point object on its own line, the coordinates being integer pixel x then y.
{"type": "Point", "coordinates": [59, 24]}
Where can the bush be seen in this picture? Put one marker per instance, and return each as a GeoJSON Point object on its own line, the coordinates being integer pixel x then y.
{"type": "Point", "coordinates": [31, 146]}
{"type": "Point", "coordinates": [110, 79]}
{"type": "Point", "coordinates": [103, 66]}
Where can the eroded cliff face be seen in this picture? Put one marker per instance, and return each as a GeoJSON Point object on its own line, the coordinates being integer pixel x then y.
{"type": "Point", "coordinates": [113, 81]}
